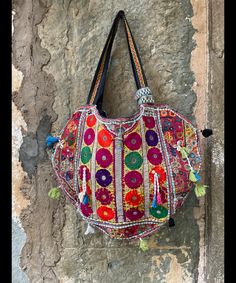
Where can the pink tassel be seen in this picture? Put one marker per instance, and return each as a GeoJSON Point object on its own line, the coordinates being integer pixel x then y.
{"type": "Point", "coordinates": [159, 200]}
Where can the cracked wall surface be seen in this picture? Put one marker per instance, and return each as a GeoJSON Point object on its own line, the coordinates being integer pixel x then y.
{"type": "Point", "coordinates": [56, 47]}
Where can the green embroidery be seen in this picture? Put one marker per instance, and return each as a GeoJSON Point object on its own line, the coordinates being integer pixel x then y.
{"type": "Point", "coordinates": [133, 160]}
{"type": "Point", "coordinates": [86, 154]}
{"type": "Point", "coordinates": [159, 212]}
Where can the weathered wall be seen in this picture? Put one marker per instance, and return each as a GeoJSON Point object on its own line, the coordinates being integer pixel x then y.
{"type": "Point", "coordinates": [215, 146]}
{"type": "Point", "coordinates": [56, 46]}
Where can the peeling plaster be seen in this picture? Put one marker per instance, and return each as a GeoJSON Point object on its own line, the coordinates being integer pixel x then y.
{"type": "Point", "coordinates": [17, 77]}
{"type": "Point", "coordinates": [19, 202]}
{"type": "Point", "coordinates": [18, 240]}
{"type": "Point", "coordinates": [18, 123]}
{"type": "Point", "coordinates": [176, 271]}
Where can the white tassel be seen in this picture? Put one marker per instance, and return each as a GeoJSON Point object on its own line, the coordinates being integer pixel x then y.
{"type": "Point", "coordinates": [89, 230]}
{"type": "Point", "coordinates": [81, 194]}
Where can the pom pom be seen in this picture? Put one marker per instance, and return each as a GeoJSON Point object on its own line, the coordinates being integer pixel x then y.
{"type": "Point", "coordinates": [192, 176]}
{"type": "Point", "coordinates": [54, 193]}
{"type": "Point", "coordinates": [89, 230]}
{"type": "Point", "coordinates": [184, 152]}
{"type": "Point", "coordinates": [197, 176]}
{"type": "Point", "coordinates": [143, 245]}
{"type": "Point", "coordinates": [171, 222]}
{"type": "Point", "coordinates": [207, 132]}
{"type": "Point", "coordinates": [50, 141]}
{"type": "Point", "coordinates": [200, 190]}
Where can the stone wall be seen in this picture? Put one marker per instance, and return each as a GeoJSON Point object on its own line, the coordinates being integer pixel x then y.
{"type": "Point", "coordinates": [56, 47]}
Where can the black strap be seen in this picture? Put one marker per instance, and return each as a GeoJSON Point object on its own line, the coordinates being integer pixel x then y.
{"type": "Point", "coordinates": [97, 88]}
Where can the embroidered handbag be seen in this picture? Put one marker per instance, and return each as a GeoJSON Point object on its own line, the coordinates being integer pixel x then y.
{"type": "Point", "coordinates": [127, 176]}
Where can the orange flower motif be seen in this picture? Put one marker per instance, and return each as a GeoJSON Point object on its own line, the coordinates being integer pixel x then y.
{"type": "Point", "coordinates": [105, 213]}
{"type": "Point", "coordinates": [161, 174]}
{"type": "Point", "coordinates": [168, 137]}
{"type": "Point", "coordinates": [133, 198]}
{"type": "Point", "coordinates": [71, 126]}
{"type": "Point", "coordinates": [104, 138]}
{"type": "Point", "coordinates": [91, 120]}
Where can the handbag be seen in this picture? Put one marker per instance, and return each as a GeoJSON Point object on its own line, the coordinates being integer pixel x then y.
{"type": "Point", "coordinates": [127, 176]}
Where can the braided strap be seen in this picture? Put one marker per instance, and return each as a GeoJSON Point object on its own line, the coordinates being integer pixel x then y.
{"type": "Point", "coordinates": [144, 95]}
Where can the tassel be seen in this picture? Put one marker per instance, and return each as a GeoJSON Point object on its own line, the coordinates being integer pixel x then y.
{"type": "Point", "coordinates": [159, 201]}
{"type": "Point", "coordinates": [154, 201]}
{"type": "Point", "coordinates": [50, 141]}
{"type": "Point", "coordinates": [89, 230]}
{"type": "Point", "coordinates": [207, 132]}
{"type": "Point", "coordinates": [171, 222]}
{"type": "Point", "coordinates": [192, 176]}
{"type": "Point", "coordinates": [184, 152]}
{"type": "Point", "coordinates": [85, 199]}
{"type": "Point", "coordinates": [84, 187]}
{"type": "Point", "coordinates": [54, 193]}
{"type": "Point", "coordinates": [81, 196]}
{"type": "Point", "coordinates": [198, 177]}
{"type": "Point", "coordinates": [156, 197]}
{"type": "Point", "coordinates": [200, 190]}
{"type": "Point", "coordinates": [143, 245]}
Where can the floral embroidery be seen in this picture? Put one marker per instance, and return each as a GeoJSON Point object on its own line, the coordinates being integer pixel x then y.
{"type": "Point", "coordinates": [86, 154]}
{"type": "Point", "coordinates": [159, 212]}
{"type": "Point", "coordinates": [104, 138]}
{"type": "Point", "coordinates": [89, 136]}
{"type": "Point", "coordinates": [67, 152]}
{"type": "Point", "coordinates": [149, 149]}
{"type": "Point", "coordinates": [168, 136]}
{"type": "Point", "coordinates": [133, 141]}
{"type": "Point", "coordinates": [134, 214]}
{"type": "Point", "coordinates": [104, 196]}
{"type": "Point", "coordinates": [103, 177]}
{"type": "Point", "coordinates": [151, 138]}
{"type": "Point", "coordinates": [86, 209]}
{"type": "Point", "coordinates": [133, 160]}
{"type": "Point", "coordinates": [133, 198]}
{"type": "Point", "coordinates": [149, 122]}
{"type": "Point", "coordinates": [91, 120]}
{"type": "Point", "coordinates": [105, 213]}
{"type": "Point", "coordinates": [154, 156]}
{"type": "Point", "coordinates": [133, 179]}
{"type": "Point", "coordinates": [104, 157]}
{"type": "Point", "coordinates": [69, 175]}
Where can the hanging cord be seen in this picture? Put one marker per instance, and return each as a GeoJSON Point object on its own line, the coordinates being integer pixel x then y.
{"type": "Point", "coordinates": [157, 196]}
{"type": "Point", "coordinates": [84, 186]}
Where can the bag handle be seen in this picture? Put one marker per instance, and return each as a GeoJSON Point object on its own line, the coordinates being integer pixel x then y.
{"type": "Point", "coordinates": [97, 88]}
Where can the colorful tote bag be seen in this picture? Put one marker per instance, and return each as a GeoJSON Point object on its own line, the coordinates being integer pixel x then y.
{"type": "Point", "coordinates": [126, 176]}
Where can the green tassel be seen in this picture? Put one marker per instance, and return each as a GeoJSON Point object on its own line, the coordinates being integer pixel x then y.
{"type": "Point", "coordinates": [143, 245]}
{"type": "Point", "coordinates": [54, 193]}
{"type": "Point", "coordinates": [184, 152]}
{"type": "Point", "coordinates": [200, 190]}
{"type": "Point", "coordinates": [192, 176]}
